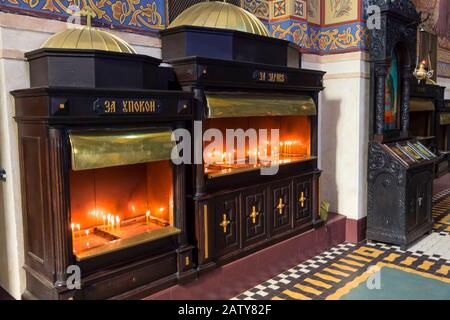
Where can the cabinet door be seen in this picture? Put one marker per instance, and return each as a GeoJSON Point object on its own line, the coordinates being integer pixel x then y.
{"type": "Point", "coordinates": [225, 224]}
{"type": "Point", "coordinates": [254, 215]}
{"type": "Point", "coordinates": [419, 200]}
{"type": "Point", "coordinates": [302, 201]}
{"type": "Point", "coordinates": [280, 206]}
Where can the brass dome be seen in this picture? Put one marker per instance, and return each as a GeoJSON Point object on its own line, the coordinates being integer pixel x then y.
{"type": "Point", "coordinates": [87, 38]}
{"type": "Point", "coordinates": [220, 15]}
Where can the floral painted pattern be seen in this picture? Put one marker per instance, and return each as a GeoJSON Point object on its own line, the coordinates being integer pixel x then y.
{"type": "Point", "coordinates": [259, 8]}
{"type": "Point", "coordinates": [136, 14]}
{"type": "Point", "coordinates": [323, 40]}
{"type": "Point", "coordinates": [313, 8]}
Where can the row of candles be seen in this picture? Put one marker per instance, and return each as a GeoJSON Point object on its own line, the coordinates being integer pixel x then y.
{"type": "Point", "coordinates": [285, 148]}
{"type": "Point", "coordinates": [110, 222]}
{"type": "Point", "coordinates": [258, 165]}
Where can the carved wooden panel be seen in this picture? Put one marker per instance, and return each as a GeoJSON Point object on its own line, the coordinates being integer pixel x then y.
{"type": "Point", "coordinates": [33, 199]}
{"type": "Point", "coordinates": [225, 223]}
{"type": "Point", "coordinates": [280, 206]}
{"type": "Point", "coordinates": [419, 204]}
{"type": "Point", "coordinates": [254, 216]}
{"type": "Point", "coordinates": [302, 201]}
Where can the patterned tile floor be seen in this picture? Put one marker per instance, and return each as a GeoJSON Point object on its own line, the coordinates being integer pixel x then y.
{"type": "Point", "coordinates": [336, 272]}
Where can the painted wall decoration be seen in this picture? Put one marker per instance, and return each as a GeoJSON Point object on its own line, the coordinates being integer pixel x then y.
{"type": "Point", "coordinates": [279, 8]}
{"type": "Point", "coordinates": [259, 8]}
{"type": "Point", "coordinates": [323, 40]}
{"type": "Point", "coordinates": [299, 9]}
{"type": "Point", "coordinates": [344, 31]}
{"type": "Point", "coordinates": [314, 11]}
{"type": "Point", "coordinates": [443, 69]}
{"type": "Point", "coordinates": [146, 15]}
{"type": "Point", "coordinates": [338, 11]}
{"type": "Point", "coordinates": [300, 21]}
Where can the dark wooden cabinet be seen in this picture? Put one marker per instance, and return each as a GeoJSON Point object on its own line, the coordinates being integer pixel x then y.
{"type": "Point", "coordinates": [239, 209]}
{"type": "Point", "coordinates": [400, 196]}
{"type": "Point", "coordinates": [402, 146]}
{"type": "Point", "coordinates": [56, 196]}
{"type": "Point", "coordinates": [236, 223]}
{"type": "Point", "coordinates": [428, 121]}
{"type": "Point", "coordinates": [443, 137]}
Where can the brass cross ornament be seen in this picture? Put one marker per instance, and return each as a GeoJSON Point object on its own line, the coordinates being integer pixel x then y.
{"type": "Point", "coordinates": [281, 206]}
{"type": "Point", "coordinates": [225, 223]}
{"type": "Point", "coordinates": [302, 200]}
{"type": "Point", "coordinates": [254, 215]}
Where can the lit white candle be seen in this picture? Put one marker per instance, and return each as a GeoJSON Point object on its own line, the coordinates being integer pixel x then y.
{"type": "Point", "coordinates": [118, 223]}
{"type": "Point", "coordinates": [147, 216]}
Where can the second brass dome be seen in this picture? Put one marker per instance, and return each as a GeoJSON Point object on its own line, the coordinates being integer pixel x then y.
{"type": "Point", "coordinates": [220, 15]}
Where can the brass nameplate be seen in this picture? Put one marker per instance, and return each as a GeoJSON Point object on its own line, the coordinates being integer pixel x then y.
{"type": "Point", "coordinates": [269, 76]}
{"type": "Point", "coordinates": [126, 106]}
{"type": "Point", "coordinates": [421, 89]}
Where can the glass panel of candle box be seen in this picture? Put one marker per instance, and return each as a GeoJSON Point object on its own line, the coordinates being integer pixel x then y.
{"type": "Point", "coordinates": [120, 203]}
{"type": "Point", "coordinates": [294, 143]}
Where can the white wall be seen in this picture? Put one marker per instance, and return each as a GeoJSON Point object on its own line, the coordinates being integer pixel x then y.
{"type": "Point", "coordinates": [343, 131]}
{"type": "Point", "coordinates": [20, 34]}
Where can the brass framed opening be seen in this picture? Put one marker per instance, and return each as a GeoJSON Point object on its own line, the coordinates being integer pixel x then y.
{"type": "Point", "coordinates": [294, 144]}
{"type": "Point", "coordinates": [122, 201]}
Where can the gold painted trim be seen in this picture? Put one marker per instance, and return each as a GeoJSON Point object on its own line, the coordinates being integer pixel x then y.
{"type": "Point", "coordinates": [94, 150]}
{"type": "Point", "coordinates": [205, 222]}
{"type": "Point", "coordinates": [121, 244]}
{"type": "Point", "coordinates": [240, 104]}
{"type": "Point", "coordinates": [444, 118]}
{"type": "Point", "coordinates": [418, 104]}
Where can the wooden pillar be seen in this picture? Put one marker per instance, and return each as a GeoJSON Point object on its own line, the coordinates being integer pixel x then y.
{"type": "Point", "coordinates": [404, 122]}
{"type": "Point", "coordinates": [199, 108]}
{"type": "Point", "coordinates": [60, 204]}
{"type": "Point", "coordinates": [380, 83]}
